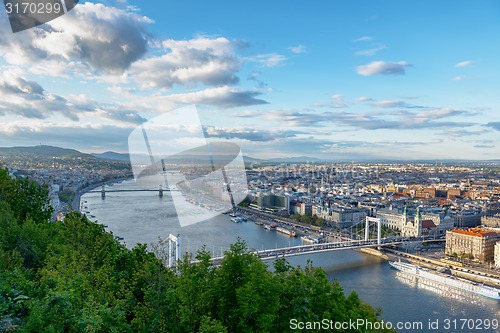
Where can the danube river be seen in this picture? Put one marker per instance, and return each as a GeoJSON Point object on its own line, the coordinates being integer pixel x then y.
{"type": "Point", "coordinates": [143, 217]}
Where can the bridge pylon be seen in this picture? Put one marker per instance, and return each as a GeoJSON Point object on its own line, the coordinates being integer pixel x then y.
{"type": "Point", "coordinates": [370, 220]}
{"type": "Point", "coordinates": [174, 251]}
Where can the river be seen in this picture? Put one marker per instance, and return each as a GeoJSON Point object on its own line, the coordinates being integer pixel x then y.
{"type": "Point", "coordinates": [143, 217]}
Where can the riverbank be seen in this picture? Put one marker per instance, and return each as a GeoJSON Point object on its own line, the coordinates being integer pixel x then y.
{"type": "Point", "coordinates": [488, 277]}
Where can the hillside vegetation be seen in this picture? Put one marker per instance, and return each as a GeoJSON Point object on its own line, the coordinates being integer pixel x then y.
{"type": "Point", "coordinates": [73, 276]}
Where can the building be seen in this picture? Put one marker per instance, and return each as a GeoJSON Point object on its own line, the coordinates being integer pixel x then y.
{"type": "Point", "coordinates": [391, 218]}
{"type": "Point", "coordinates": [411, 227]}
{"type": "Point", "coordinates": [453, 192]}
{"type": "Point", "coordinates": [344, 217]}
{"type": "Point", "coordinates": [491, 221]}
{"type": "Point", "coordinates": [425, 224]}
{"type": "Point", "coordinates": [473, 243]}
{"type": "Point", "coordinates": [271, 202]}
{"type": "Point", "coordinates": [299, 208]}
{"type": "Point", "coordinates": [468, 218]}
{"type": "Point", "coordinates": [443, 221]}
{"type": "Point", "coordinates": [497, 254]}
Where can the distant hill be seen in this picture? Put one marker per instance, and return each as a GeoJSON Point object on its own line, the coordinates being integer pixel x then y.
{"type": "Point", "coordinates": [111, 155]}
{"type": "Point", "coordinates": [250, 160]}
{"type": "Point", "coordinates": [45, 152]}
{"type": "Point", "coordinates": [298, 159]}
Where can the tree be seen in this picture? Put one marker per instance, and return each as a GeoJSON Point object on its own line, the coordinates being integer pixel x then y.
{"type": "Point", "coordinates": [26, 198]}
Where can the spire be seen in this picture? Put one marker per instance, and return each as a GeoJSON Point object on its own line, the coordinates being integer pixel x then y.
{"type": "Point", "coordinates": [418, 218]}
{"type": "Point", "coordinates": [405, 215]}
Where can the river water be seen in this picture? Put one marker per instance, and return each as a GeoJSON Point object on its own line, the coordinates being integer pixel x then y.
{"type": "Point", "coordinates": [143, 217]}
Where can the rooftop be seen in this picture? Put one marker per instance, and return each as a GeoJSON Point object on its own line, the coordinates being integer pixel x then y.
{"type": "Point", "coordinates": [476, 232]}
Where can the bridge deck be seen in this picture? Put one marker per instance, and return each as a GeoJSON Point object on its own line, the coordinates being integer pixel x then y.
{"type": "Point", "coordinates": [314, 248]}
{"type": "Point", "coordinates": [132, 190]}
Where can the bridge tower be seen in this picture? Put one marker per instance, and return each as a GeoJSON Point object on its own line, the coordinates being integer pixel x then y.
{"type": "Point", "coordinates": [370, 220]}
{"type": "Point", "coordinates": [103, 192]}
{"type": "Point", "coordinates": [160, 191]}
{"type": "Point", "coordinates": [174, 251]}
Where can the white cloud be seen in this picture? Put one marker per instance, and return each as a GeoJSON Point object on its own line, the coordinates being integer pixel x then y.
{"type": "Point", "coordinates": [187, 62]}
{"type": "Point", "coordinates": [298, 49]}
{"type": "Point", "coordinates": [91, 36]}
{"type": "Point", "coordinates": [396, 120]}
{"type": "Point", "coordinates": [338, 105]}
{"type": "Point", "coordinates": [389, 104]}
{"type": "Point", "coordinates": [79, 135]}
{"type": "Point", "coordinates": [464, 64]}
{"type": "Point", "coordinates": [250, 134]}
{"type": "Point", "coordinates": [26, 98]}
{"type": "Point", "coordinates": [120, 90]}
{"type": "Point", "coordinates": [383, 68]}
{"type": "Point", "coordinates": [463, 77]}
{"type": "Point", "coordinates": [225, 97]}
{"type": "Point", "coordinates": [370, 52]}
{"type": "Point", "coordinates": [268, 60]}
{"type": "Point", "coordinates": [363, 39]}
{"type": "Point", "coordinates": [338, 97]}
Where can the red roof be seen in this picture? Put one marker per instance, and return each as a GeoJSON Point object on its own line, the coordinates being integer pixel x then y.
{"type": "Point", "coordinates": [428, 224]}
{"type": "Point", "coordinates": [477, 232]}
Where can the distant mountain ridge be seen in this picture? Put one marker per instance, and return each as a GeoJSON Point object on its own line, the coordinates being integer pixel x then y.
{"type": "Point", "coordinates": [297, 159]}
{"type": "Point", "coordinates": [45, 151]}
{"type": "Point", "coordinates": [111, 155]}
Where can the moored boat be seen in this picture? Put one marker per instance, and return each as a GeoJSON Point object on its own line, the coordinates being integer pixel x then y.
{"type": "Point", "coordinates": [237, 219]}
{"type": "Point", "coordinates": [446, 279]}
{"type": "Point", "coordinates": [285, 231]}
{"type": "Point", "coordinates": [309, 239]}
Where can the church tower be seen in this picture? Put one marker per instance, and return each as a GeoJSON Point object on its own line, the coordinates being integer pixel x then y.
{"type": "Point", "coordinates": [418, 223]}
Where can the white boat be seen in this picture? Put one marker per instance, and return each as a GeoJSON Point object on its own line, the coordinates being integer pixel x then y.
{"type": "Point", "coordinates": [446, 280]}
{"type": "Point", "coordinates": [309, 239]}
{"type": "Point", "coordinates": [285, 231]}
{"type": "Point", "coordinates": [237, 219]}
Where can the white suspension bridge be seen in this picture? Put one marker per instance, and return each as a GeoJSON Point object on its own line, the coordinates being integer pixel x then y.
{"type": "Point", "coordinates": [172, 245]}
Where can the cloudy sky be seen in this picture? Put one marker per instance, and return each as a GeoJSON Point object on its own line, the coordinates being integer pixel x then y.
{"type": "Point", "coordinates": [337, 79]}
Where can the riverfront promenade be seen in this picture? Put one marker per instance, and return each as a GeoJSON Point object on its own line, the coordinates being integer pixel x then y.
{"type": "Point", "coordinates": [429, 260]}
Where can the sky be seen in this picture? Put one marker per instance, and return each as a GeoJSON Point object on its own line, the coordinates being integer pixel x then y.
{"type": "Point", "coordinates": [340, 80]}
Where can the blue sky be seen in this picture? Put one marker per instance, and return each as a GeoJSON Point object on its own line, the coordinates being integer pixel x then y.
{"type": "Point", "coordinates": [337, 79]}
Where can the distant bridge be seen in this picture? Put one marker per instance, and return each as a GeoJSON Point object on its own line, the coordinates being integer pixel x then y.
{"type": "Point", "coordinates": [160, 191]}
{"type": "Point", "coordinates": [133, 190]}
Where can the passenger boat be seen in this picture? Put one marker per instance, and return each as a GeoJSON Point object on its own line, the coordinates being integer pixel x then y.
{"type": "Point", "coordinates": [285, 231]}
{"type": "Point", "coordinates": [443, 280]}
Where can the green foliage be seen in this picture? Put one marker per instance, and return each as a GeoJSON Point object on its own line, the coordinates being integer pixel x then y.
{"type": "Point", "coordinates": [26, 198]}
{"type": "Point", "coordinates": [73, 276]}
{"type": "Point", "coordinates": [313, 220]}
{"type": "Point", "coordinates": [387, 232]}
{"type": "Point", "coordinates": [66, 195]}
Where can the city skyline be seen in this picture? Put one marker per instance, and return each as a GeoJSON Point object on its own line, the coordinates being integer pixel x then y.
{"type": "Point", "coordinates": [357, 80]}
